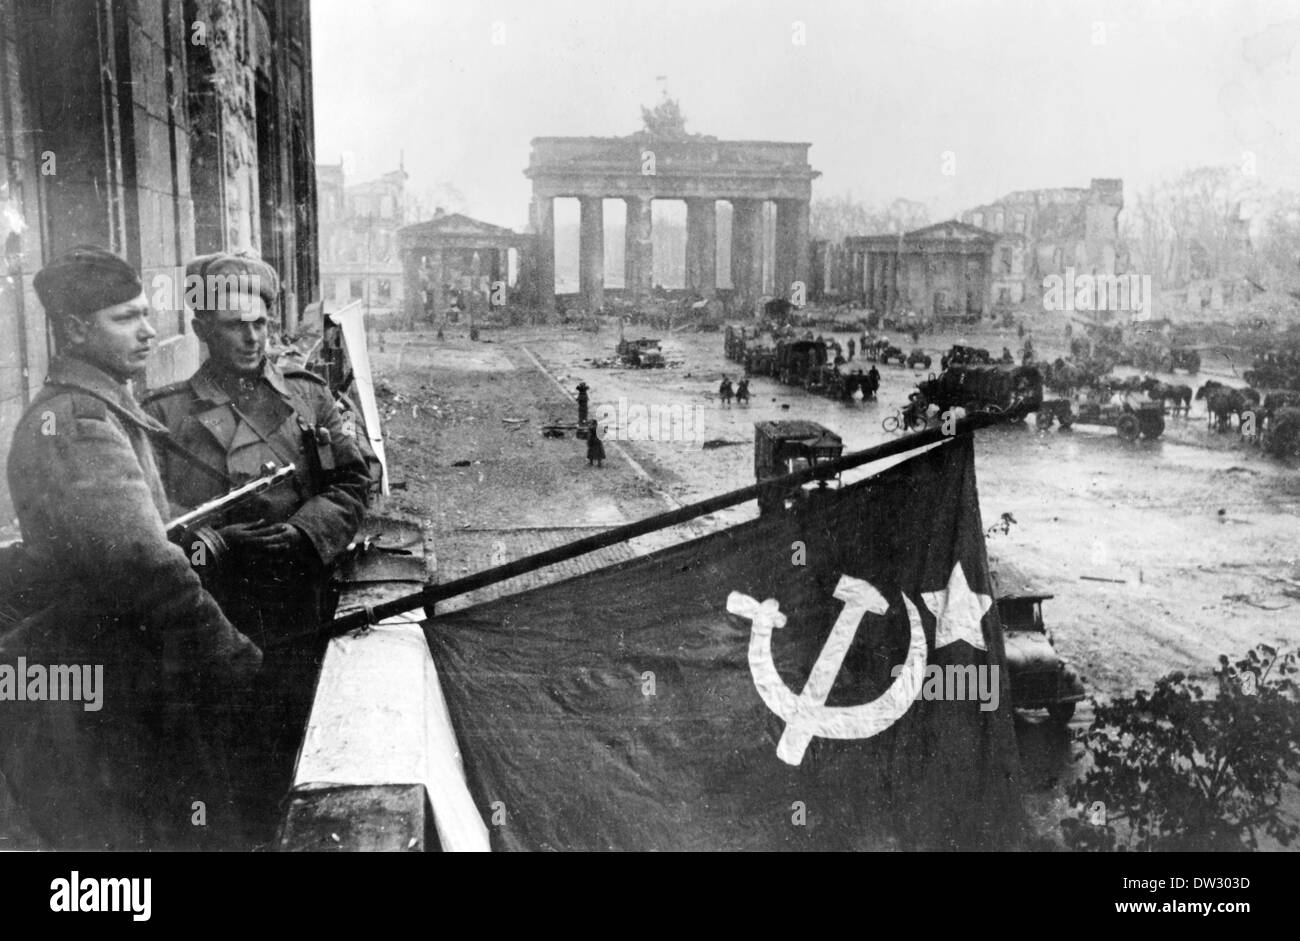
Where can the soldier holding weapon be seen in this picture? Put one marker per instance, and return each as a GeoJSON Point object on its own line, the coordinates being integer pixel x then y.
{"type": "Point", "coordinates": [106, 587]}
{"type": "Point", "coordinates": [237, 413]}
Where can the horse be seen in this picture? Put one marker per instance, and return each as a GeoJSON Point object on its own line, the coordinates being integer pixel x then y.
{"type": "Point", "coordinates": [1179, 396]}
{"type": "Point", "coordinates": [1273, 403]}
{"type": "Point", "coordinates": [1109, 385]}
{"type": "Point", "coordinates": [742, 392]}
{"type": "Point", "coordinates": [1062, 376]}
{"type": "Point", "coordinates": [1221, 402]}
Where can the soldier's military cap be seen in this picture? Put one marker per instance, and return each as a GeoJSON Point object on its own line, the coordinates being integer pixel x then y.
{"type": "Point", "coordinates": [222, 280]}
{"type": "Point", "coordinates": [84, 279]}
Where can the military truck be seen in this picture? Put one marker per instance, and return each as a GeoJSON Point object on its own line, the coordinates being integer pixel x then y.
{"type": "Point", "coordinates": [1040, 677]}
{"type": "Point", "coordinates": [985, 388]}
{"type": "Point", "coordinates": [795, 359]}
{"type": "Point", "coordinates": [784, 447]}
{"type": "Point", "coordinates": [641, 353]}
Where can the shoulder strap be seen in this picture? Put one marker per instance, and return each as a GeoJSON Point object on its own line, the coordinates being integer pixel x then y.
{"type": "Point", "coordinates": [168, 443]}
{"type": "Point", "coordinates": [165, 440]}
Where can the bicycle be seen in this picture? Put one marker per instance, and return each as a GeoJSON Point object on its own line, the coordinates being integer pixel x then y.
{"type": "Point", "coordinates": [903, 419]}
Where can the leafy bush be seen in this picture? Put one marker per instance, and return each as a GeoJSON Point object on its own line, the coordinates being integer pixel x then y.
{"type": "Point", "coordinates": [1173, 769]}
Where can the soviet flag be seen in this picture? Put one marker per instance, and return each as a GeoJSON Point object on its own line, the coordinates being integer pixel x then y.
{"type": "Point", "coordinates": [826, 677]}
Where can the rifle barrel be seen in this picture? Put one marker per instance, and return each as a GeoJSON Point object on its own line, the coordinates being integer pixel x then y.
{"type": "Point", "coordinates": [227, 500]}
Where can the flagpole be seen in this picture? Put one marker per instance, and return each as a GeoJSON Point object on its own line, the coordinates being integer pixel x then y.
{"type": "Point", "coordinates": [432, 594]}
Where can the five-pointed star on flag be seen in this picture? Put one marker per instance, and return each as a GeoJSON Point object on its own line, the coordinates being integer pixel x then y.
{"type": "Point", "coordinates": [957, 612]}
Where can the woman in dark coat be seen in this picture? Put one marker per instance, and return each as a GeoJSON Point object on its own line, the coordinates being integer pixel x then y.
{"type": "Point", "coordinates": [595, 448]}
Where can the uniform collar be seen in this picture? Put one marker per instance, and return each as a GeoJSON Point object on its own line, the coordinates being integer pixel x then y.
{"type": "Point", "coordinates": [207, 381]}
{"type": "Point", "coordinates": [77, 373]}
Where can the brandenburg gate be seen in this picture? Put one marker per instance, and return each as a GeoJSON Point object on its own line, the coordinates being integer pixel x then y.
{"type": "Point", "coordinates": [664, 162]}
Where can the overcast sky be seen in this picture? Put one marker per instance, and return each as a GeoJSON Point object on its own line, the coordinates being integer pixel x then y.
{"type": "Point", "coordinates": [1024, 93]}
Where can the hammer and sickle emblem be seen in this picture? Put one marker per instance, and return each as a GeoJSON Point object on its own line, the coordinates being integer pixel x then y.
{"type": "Point", "coordinates": [807, 714]}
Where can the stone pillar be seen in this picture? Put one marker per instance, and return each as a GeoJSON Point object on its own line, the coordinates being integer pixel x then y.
{"type": "Point", "coordinates": [591, 252]}
{"type": "Point", "coordinates": [791, 245]}
{"type": "Point", "coordinates": [800, 214]}
{"type": "Point", "coordinates": [413, 306]}
{"type": "Point", "coordinates": [747, 251]}
{"type": "Point", "coordinates": [497, 271]}
{"type": "Point", "coordinates": [926, 265]}
{"type": "Point", "coordinates": [544, 253]}
{"type": "Point", "coordinates": [638, 245]}
{"type": "Point", "coordinates": [985, 280]}
{"type": "Point", "coordinates": [701, 246]}
{"type": "Point", "coordinates": [436, 281]}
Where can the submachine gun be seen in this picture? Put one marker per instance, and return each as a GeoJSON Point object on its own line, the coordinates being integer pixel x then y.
{"type": "Point", "coordinates": [194, 531]}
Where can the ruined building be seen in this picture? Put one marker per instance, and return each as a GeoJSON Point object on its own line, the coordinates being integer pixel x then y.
{"type": "Point", "coordinates": [359, 254]}
{"type": "Point", "coordinates": [996, 257]}
{"type": "Point", "coordinates": [159, 129]}
{"type": "Point", "coordinates": [940, 271]}
{"type": "Point", "coordinates": [1046, 232]}
{"type": "Point", "coordinates": [452, 258]}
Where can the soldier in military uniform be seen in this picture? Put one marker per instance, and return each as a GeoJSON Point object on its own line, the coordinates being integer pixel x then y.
{"type": "Point", "coordinates": [104, 586]}
{"type": "Point", "coordinates": [238, 412]}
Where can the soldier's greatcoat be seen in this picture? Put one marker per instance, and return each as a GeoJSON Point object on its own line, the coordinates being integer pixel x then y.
{"type": "Point", "coordinates": [236, 424]}
{"type": "Point", "coordinates": [115, 593]}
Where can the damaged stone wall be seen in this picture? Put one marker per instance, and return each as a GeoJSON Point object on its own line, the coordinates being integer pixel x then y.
{"type": "Point", "coordinates": [24, 351]}
{"type": "Point", "coordinates": [220, 89]}
{"type": "Point", "coordinates": [251, 110]}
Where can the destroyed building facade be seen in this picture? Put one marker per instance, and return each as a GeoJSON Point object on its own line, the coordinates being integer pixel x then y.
{"type": "Point", "coordinates": [940, 270]}
{"type": "Point", "coordinates": [359, 254]}
{"type": "Point", "coordinates": [996, 257]}
{"type": "Point", "coordinates": [452, 254]}
{"type": "Point", "coordinates": [160, 130]}
{"type": "Point", "coordinates": [1047, 232]}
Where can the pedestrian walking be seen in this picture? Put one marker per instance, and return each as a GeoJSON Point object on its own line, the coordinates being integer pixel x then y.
{"type": "Point", "coordinates": [595, 447]}
{"type": "Point", "coordinates": [742, 391]}
{"type": "Point", "coordinates": [725, 391]}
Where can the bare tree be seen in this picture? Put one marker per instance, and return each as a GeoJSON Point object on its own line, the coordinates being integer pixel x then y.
{"type": "Point", "coordinates": [835, 217]}
{"type": "Point", "coordinates": [1193, 227]}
